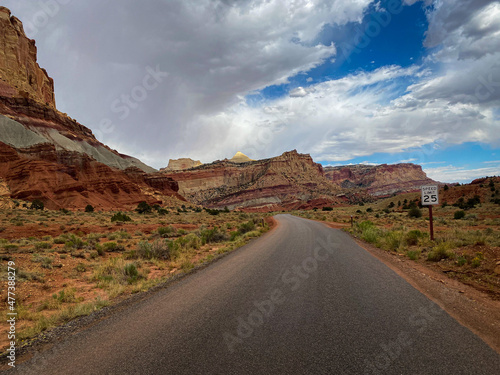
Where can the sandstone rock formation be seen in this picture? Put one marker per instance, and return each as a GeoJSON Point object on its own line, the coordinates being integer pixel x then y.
{"type": "Point", "coordinates": [181, 164]}
{"type": "Point", "coordinates": [379, 180]}
{"type": "Point", "coordinates": [290, 180]}
{"type": "Point", "coordinates": [20, 75]}
{"type": "Point", "coordinates": [240, 157]}
{"type": "Point", "coordinates": [44, 154]}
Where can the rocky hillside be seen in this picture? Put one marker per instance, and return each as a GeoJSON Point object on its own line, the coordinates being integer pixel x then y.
{"type": "Point", "coordinates": [291, 180]}
{"type": "Point", "coordinates": [44, 154]}
{"type": "Point", "coordinates": [380, 180]}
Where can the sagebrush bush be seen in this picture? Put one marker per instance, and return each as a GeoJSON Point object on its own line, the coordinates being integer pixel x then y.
{"type": "Point", "coordinates": [213, 235]}
{"type": "Point", "coordinates": [159, 249]}
{"type": "Point", "coordinates": [440, 252]}
{"type": "Point", "coordinates": [415, 212]}
{"type": "Point", "coordinates": [166, 231]}
{"type": "Point", "coordinates": [120, 217]}
{"type": "Point", "coordinates": [413, 236]}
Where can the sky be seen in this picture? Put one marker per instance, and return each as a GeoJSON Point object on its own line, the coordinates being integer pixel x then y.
{"type": "Point", "coordinates": [346, 81]}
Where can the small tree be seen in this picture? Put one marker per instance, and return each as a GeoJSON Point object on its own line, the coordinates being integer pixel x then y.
{"type": "Point", "coordinates": [37, 204]}
{"type": "Point", "coordinates": [143, 208]}
{"type": "Point", "coordinates": [89, 208]}
{"type": "Point", "coordinates": [459, 215]}
{"type": "Point", "coordinates": [446, 187]}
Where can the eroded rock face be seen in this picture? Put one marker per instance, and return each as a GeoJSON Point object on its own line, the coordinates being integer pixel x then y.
{"type": "Point", "coordinates": [379, 180]}
{"type": "Point", "coordinates": [72, 180]}
{"type": "Point", "coordinates": [45, 154]}
{"type": "Point", "coordinates": [20, 75]}
{"type": "Point", "coordinates": [289, 179]}
{"type": "Point", "coordinates": [181, 164]}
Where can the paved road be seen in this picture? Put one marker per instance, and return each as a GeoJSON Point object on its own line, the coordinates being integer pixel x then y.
{"type": "Point", "coordinates": [303, 299]}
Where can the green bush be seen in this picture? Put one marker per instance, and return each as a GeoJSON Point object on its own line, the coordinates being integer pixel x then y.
{"type": "Point", "coordinates": [119, 216]}
{"type": "Point", "coordinates": [413, 254]}
{"type": "Point", "coordinates": [144, 208]}
{"type": "Point", "coordinates": [327, 208]}
{"type": "Point", "coordinates": [80, 267]}
{"type": "Point", "coordinates": [212, 211]}
{"type": "Point", "coordinates": [415, 212]}
{"type": "Point", "coordinates": [111, 246]}
{"type": "Point", "coordinates": [42, 245]}
{"type": "Point", "coordinates": [212, 235]}
{"type": "Point", "coordinates": [159, 249]}
{"type": "Point", "coordinates": [461, 261]}
{"type": "Point", "coordinates": [413, 236]}
{"type": "Point", "coordinates": [165, 232]}
{"type": "Point", "coordinates": [246, 227]}
{"type": "Point", "coordinates": [368, 231]}
{"type": "Point", "coordinates": [131, 273]}
{"type": "Point", "coordinates": [440, 252]}
{"type": "Point", "coordinates": [89, 208]}
{"type": "Point", "coordinates": [37, 204]}
{"type": "Point", "coordinates": [459, 215]}
{"type": "Point", "coordinates": [392, 240]}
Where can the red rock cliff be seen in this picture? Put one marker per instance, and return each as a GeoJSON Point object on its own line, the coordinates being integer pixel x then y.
{"type": "Point", "coordinates": [20, 75]}
{"type": "Point", "coordinates": [290, 180]}
{"type": "Point", "coordinates": [379, 180]}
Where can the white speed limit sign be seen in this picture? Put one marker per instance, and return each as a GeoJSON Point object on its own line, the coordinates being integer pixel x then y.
{"type": "Point", "coordinates": [430, 195]}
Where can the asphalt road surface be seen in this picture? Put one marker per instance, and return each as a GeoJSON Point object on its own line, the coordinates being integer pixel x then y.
{"type": "Point", "coordinates": [303, 299]}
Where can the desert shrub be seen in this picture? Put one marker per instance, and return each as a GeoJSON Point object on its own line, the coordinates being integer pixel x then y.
{"type": "Point", "coordinates": [165, 232]}
{"type": "Point", "coordinates": [413, 236]}
{"type": "Point", "coordinates": [246, 227]}
{"type": "Point", "coordinates": [45, 262]}
{"type": "Point", "coordinates": [73, 242]}
{"type": "Point", "coordinates": [392, 240]}
{"type": "Point", "coordinates": [159, 249]}
{"type": "Point", "coordinates": [440, 252]}
{"type": "Point", "coordinates": [112, 246]}
{"type": "Point", "coordinates": [327, 208]}
{"type": "Point", "coordinates": [119, 216]}
{"type": "Point", "coordinates": [415, 212]}
{"type": "Point", "coordinates": [369, 209]}
{"type": "Point", "coordinates": [413, 254]}
{"type": "Point", "coordinates": [162, 211]}
{"type": "Point", "coordinates": [65, 296]}
{"type": "Point", "coordinates": [212, 235]}
{"type": "Point", "coordinates": [131, 273]}
{"type": "Point", "coordinates": [461, 260]}
{"type": "Point", "coordinates": [233, 235]}
{"type": "Point", "coordinates": [368, 231]}
{"type": "Point", "coordinates": [459, 215]}
{"type": "Point", "coordinates": [212, 211]}
{"type": "Point", "coordinates": [89, 208]}
{"type": "Point", "coordinates": [42, 245]}
{"type": "Point", "coordinates": [80, 267]}
{"type": "Point", "coordinates": [191, 241]}
{"type": "Point", "coordinates": [37, 204]}
{"type": "Point", "coordinates": [143, 208]}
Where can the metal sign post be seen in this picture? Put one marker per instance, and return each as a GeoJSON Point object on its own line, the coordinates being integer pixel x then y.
{"type": "Point", "coordinates": [430, 197]}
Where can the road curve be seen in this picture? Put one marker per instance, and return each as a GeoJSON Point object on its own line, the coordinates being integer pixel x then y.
{"type": "Point", "coordinates": [303, 299]}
